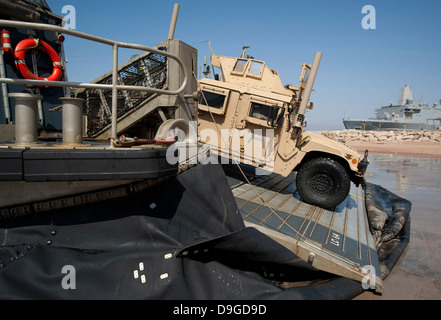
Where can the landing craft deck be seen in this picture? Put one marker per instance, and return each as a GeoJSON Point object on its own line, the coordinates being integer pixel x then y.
{"type": "Point", "coordinates": [337, 241]}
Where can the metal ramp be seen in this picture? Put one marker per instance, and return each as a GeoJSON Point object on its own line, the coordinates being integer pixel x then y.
{"type": "Point", "coordinates": [146, 69]}
{"type": "Point", "coordinates": [338, 242]}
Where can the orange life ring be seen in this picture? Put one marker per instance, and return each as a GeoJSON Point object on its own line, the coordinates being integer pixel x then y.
{"type": "Point", "coordinates": [20, 52]}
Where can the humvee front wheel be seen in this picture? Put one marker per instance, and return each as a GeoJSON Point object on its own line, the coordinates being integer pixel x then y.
{"type": "Point", "coordinates": [323, 182]}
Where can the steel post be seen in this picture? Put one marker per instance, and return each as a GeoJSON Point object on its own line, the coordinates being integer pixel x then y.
{"type": "Point", "coordinates": [114, 92]}
{"type": "Point", "coordinates": [171, 32]}
{"type": "Point", "coordinates": [72, 120]}
{"type": "Point", "coordinates": [26, 117]}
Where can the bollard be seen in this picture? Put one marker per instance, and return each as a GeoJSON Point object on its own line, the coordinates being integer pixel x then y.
{"type": "Point", "coordinates": [26, 121]}
{"type": "Point", "coordinates": [72, 120]}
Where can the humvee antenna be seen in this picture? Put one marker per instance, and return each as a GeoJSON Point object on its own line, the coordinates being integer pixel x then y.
{"type": "Point", "coordinates": [244, 50]}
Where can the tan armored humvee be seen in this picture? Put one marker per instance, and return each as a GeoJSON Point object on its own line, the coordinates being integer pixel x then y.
{"type": "Point", "coordinates": [248, 116]}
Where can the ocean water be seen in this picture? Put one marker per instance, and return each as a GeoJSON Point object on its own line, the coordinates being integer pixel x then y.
{"type": "Point", "coordinates": [417, 179]}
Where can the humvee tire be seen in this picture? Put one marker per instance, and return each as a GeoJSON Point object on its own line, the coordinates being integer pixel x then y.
{"type": "Point", "coordinates": [323, 182]}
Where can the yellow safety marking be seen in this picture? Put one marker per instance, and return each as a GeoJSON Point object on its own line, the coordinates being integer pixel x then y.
{"type": "Point", "coordinates": [357, 196]}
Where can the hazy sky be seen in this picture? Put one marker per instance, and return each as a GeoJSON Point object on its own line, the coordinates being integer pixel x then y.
{"type": "Point", "coordinates": [361, 69]}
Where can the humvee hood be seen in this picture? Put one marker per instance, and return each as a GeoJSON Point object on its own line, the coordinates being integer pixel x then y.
{"type": "Point", "coordinates": [318, 142]}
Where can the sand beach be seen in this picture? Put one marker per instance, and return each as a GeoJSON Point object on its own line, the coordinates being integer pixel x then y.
{"type": "Point", "coordinates": [422, 143]}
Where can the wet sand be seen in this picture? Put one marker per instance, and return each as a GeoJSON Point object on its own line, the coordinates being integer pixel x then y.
{"type": "Point", "coordinates": [421, 149]}
{"type": "Point", "coordinates": [412, 171]}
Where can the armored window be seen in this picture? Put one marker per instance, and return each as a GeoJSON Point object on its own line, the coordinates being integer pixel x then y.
{"type": "Point", "coordinates": [213, 100]}
{"type": "Point", "coordinates": [260, 111]}
{"type": "Point", "coordinates": [265, 112]}
{"type": "Point", "coordinates": [255, 68]}
{"type": "Point", "coordinates": [239, 67]}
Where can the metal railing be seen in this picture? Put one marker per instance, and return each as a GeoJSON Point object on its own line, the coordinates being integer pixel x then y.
{"type": "Point", "coordinates": [114, 86]}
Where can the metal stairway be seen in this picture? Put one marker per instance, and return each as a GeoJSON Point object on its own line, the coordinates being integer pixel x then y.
{"type": "Point", "coordinates": [146, 69]}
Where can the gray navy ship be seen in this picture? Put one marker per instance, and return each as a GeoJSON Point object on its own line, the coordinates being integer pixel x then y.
{"type": "Point", "coordinates": [406, 115]}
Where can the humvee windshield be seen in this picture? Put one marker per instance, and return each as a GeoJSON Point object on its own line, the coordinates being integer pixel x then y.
{"type": "Point", "coordinates": [239, 67]}
{"type": "Point", "coordinates": [255, 68]}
